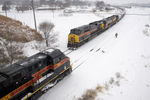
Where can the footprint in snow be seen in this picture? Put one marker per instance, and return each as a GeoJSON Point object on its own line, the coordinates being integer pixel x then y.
{"type": "Point", "coordinates": [98, 49]}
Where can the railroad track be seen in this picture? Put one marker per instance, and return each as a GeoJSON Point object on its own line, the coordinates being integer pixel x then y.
{"type": "Point", "coordinates": [67, 51]}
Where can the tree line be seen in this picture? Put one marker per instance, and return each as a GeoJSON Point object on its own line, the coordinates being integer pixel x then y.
{"type": "Point", "coordinates": [23, 5]}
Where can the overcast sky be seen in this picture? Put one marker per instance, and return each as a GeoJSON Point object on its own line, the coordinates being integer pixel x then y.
{"type": "Point", "coordinates": [124, 1]}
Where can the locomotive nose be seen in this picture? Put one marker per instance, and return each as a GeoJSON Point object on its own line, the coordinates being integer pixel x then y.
{"type": "Point", "coordinates": [72, 40]}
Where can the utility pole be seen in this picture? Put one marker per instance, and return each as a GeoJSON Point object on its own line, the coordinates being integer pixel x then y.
{"type": "Point", "coordinates": [5, 12]}
{"type": "Point", "coordinates": [34, 15]}
{"type": "Point", "coordinates": [5, 7]}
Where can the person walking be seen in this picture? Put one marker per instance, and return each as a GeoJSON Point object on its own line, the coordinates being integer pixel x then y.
{"type": "Point", "coordinates": [116, 35]}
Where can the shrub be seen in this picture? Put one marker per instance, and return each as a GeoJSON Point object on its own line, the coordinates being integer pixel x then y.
{"type": "Point", "coordinates": [90, 94]}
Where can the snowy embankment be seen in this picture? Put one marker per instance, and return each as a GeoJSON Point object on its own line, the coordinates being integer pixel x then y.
{"type": "Point", "coordinates": [121, 65]}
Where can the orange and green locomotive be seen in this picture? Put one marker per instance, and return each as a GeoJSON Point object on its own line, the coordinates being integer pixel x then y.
{"type": "Point", "coordinates": [80, 35]}
{"type": "Point", "coordinates": [30, 78]}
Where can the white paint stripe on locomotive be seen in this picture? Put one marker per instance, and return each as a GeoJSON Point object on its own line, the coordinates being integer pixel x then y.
{"type": "Point", "coordinates": [43, 78]}
{"type": "Point", "coordinates": [26, 96]}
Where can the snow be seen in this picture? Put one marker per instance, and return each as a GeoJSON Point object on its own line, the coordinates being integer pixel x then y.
{"type": "Point", "coordinates": [128, 55]}
{"type": "Point", "coordinates": [99, 60]}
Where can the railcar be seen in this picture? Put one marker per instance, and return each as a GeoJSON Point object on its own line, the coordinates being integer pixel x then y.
{"type": "Point", "coordinates": [30, 78]}
{"type": "Point", "coordinates": [79, 36]}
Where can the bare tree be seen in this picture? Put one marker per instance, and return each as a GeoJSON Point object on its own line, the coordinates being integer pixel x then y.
{"type": "Point", "coordinates": [100, 5]}
{"type": "Point", "coordinates": [67, 3]}
{"type": "Point", "coordinates": [24, 6]}
{"type": "Point", "coordinates": [6, 5]}
{"type": "Point", "coordinates": [10, 52]}
{"type": "Point", "coordinates": [49, 37]}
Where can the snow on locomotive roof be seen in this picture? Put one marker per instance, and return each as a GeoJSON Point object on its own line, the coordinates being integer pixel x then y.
{"type": "Point", "coordinates": [52, 52]}
{"type": "Point", "coordinates": [33, 59]}
{"type": "Point", "coordinates": [37, 57]}
{"type": "Point", "coordinates": [30, 61]}
{"type": "Point", "coordinates": [41, 57]}
{"type": "Point", "coordinates": [48, 51]}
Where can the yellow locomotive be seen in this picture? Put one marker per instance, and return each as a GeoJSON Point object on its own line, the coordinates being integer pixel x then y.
{"type": "Point", "coordinates": [80, 35]}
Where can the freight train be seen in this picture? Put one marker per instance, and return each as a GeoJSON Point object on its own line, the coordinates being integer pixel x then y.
{"type": "Point", "coordinates": [80, 35]}
{"type": "Point", "coordinates": [30, 78]}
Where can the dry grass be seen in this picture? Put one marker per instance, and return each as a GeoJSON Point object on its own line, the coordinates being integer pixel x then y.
{"type": "Point", "coordinates": [90, 94]}
{"type": "Point", "coordinates": [118, 75]}
{"type": "Point", "coordinates": [117, 83]}
{"type": "Point", "coordinates": [99, 88]}
{"type": "Point", "coordinates": [111, 81]}
{"type": "Point", "coordinates": [106, 86]}
{"type": "Point", "coordinates": [13, 30]}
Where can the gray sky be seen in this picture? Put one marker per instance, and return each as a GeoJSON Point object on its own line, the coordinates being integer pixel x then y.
{"type": "Point", "coordinates": [124, 1]}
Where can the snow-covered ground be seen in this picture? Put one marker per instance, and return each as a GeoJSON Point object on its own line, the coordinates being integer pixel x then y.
{"type": "Point", "coordinates": [125, 59]}
{"type": "Point", "coordinates": [127, 55]}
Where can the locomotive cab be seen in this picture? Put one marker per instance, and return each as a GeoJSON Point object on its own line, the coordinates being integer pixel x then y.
{"type": "Point", "coordinates": [73, 37]}
{"type": "Point", "coordinates": [53, 57]}
{"type": "Point", "coordinates": [78, 35]}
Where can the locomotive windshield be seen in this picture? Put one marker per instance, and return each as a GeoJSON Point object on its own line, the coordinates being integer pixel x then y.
{"type": "Point", "coordinates": [75, 31]}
